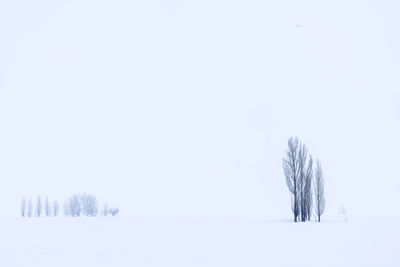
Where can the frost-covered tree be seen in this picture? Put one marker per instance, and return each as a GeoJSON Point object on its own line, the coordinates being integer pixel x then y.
{"type": "Point", "coordinates": [47, 209]}
{"type": "Point", "coordinates": [56, 208]}
{"type": "Point", "coordinates": [23, 207]}
{"type": "Point", "coordinates": [38, 206]}
{"type": "Point", "coordinates": [319, 191]}
{"type": "Point", "coordinates": [29, 208]}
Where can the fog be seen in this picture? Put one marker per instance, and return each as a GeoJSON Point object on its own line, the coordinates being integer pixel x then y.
{"type": "Point", "coordinates": [184, 108]}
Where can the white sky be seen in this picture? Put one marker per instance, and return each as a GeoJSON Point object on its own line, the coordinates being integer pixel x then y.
{"type": "Point", "coordinates": [184, 108]}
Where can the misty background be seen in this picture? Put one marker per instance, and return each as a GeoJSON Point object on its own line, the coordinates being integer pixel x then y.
{"type": "Point", "coordinates": [171, 108]}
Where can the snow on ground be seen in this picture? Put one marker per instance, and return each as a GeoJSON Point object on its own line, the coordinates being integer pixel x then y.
{"type": "Point", "coordinates": [196, 242]}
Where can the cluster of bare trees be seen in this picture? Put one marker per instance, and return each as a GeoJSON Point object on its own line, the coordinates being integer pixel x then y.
{"type": "Point", "coordinates": [81, 204]}
{"type": "Point", "coordinates": [77, 205]}
{"type": "Point", "coordinates": [299, 174]}
{"type": "Point", "coordinates": [28, 209]}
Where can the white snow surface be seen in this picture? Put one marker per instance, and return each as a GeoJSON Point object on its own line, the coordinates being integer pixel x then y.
{"type": "Point", "coordinates": [196, 242]}
{"type": "Point", "coordinates": [182, 109]}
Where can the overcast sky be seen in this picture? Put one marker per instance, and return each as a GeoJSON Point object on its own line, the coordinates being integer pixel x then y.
{"type": "Point", "coordinates": [184, 108]}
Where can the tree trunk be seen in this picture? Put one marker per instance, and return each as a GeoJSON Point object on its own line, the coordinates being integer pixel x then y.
{"type": "Point", "coordinates": [295, 201]}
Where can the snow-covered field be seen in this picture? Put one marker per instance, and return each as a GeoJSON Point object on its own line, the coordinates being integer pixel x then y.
{"type": "Point", "coordinates": [196, 242]}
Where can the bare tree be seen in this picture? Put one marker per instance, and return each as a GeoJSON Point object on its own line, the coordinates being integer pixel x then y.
{"type": "Point", "coordinates": [38, 206]}
{"type": "Point", "coordinates": [74, 206]}
{"type": "Point", "coordinates": [305, 179]}
{"type": "Point", "coordinates": [113, 211]}
{"type": "Point", "coordinates": [67, 210]}
{"type": "Point", "coordinates": [89, 204]}
{"type": "Point", "coordinates": [319, 191]}
{"type": "Point", "coordinates": [23, 207]}
{"type": "Point", "coordinates": [56, 208]}
{"type": "Point", "coordinates": [298, 170]}
{"type": "Point", "coordinates": [47, 209]}
{"type": "Point", "coordinates": [291, 171]}
{"type": "Point", "coordinates": [30, 208]}
{"type": "Point", "coordinates": [78, 204]}
{"type": "Point", "coordinates": [308, 190]}
{"type": "Point", "coordinates": [302, 158]}
{"type": "Point", "coordinates": [105, 209]}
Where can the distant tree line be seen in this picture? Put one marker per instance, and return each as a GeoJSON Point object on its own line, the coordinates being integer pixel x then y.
{"type": "Point", "coordinates": [28, 209]}
{"type": "Point", "coordinates": [299, 174]}
{"type": "Point", "coordinates": [77, 205]}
